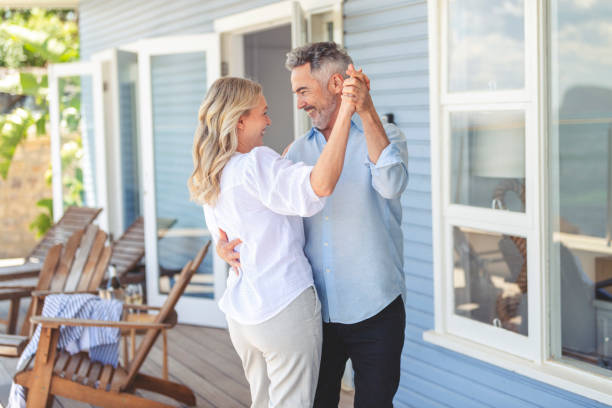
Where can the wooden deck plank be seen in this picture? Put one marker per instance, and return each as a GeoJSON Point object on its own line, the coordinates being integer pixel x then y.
{"type": "Point", "coordinates": [228, 363]}
{"type": "Point", "coordinates": [194, 380]}
{"type": "Point", "coordinates": [152, 368]}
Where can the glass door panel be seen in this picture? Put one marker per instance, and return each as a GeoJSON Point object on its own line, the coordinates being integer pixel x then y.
{"type": "Point", "coordinates": [178, 83]}
{"type": "Point", "coordinates": [77, 137]}
{"type": "Point", "coordinates": [176, 74]}
{"type": "Point", "coordinates": [129, 146]}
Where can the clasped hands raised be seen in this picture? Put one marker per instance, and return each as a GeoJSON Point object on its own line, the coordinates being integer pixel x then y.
{"type": "Point", "coordinates": [356, 89]}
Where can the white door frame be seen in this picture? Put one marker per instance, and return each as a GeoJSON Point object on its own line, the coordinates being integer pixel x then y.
{"type": "Point", "coordinates": [296, 13]}
{"type": "Point", "coordinates": [190, 309]}
{"type": "Point", "coordinates": [55, 72]}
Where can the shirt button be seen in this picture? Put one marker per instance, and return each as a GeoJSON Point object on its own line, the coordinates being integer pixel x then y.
{"type": "Point", "coordinates": [327, 270]}
{"type": "Point", "coordinates": [326, 218]}
{"type": "Point", "coordinates": [325, 243]}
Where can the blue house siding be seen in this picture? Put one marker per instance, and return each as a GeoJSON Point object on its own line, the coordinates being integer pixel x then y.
{"type": "Point", "coordinates": [388, 38]}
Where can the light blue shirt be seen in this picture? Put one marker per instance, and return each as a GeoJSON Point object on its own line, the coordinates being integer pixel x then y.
{"type": "Point", "coordinates": [355, 244]}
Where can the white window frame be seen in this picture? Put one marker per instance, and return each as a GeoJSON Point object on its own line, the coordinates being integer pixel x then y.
{"type": "Point", "coordinates": [190, 309]}
{"type": "Point", "coordinates": [71, 69]}
{"type": "Point", "coordinates": [531, 356]}
{"type": "Point", "coordinates": [296, 13]}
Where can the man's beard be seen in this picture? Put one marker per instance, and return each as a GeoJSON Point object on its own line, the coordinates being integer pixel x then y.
{"type": "Point", "coordinates": [321, 121]}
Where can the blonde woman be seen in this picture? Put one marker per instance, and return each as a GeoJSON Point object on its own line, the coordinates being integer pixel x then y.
{"type": "Point", "coordinates": [251, 192]}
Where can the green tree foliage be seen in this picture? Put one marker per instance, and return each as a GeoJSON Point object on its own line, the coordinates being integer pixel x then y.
{"type": "Point", "coordinates": [35, 38]}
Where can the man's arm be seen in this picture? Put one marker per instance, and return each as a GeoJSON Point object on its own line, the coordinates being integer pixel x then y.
{"type": "Point", "coordinates": [387, 147]}
{"type": "Point", "coordinates": [357, 87]}
{"type": "Point", "coordinates": [390, 173]}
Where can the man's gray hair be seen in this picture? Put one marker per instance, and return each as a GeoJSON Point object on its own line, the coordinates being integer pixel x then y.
{"type": "Point", "coordinates": [325, 58]}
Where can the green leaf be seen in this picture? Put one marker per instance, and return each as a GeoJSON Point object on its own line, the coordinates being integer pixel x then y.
{"type": "Point", "coordinates": [41, 224]}
{"type": "Point", "coordinates": [46, 203]}
{"type": "Point", "coordinates": [29, 83]}
{"type": "Point", "coordinates": [13, 131]}
{"type": "Point", "coordinates": [41, 125]}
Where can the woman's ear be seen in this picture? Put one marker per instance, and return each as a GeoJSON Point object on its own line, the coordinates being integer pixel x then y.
{"type": "Point", "coordinates": [240, 125]}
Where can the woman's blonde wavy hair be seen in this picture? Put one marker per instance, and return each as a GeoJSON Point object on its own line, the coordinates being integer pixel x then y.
{"type": "Point", "coordinates": [216, 138]}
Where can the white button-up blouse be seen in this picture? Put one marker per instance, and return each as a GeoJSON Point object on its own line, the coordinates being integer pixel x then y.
{"type": "Point", "coordinates": [261, 201]}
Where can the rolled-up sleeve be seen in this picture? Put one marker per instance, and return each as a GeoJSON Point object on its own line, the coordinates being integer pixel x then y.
{"type": "Point", "coordinates": [390, 173]}
{"type": "Point", "coordinates": [281, 185]}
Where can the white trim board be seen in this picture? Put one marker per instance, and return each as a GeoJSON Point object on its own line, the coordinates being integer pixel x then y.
{"type": "Point", "coordinates": [270, 15]}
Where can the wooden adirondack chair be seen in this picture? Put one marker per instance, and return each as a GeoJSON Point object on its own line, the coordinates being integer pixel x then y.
{"type": "Point", "coordinates": [54, 373]}
{"type": "Point", "coordinates": [74, 219]}
{"type": "Point", "coordinates": [79, 266]}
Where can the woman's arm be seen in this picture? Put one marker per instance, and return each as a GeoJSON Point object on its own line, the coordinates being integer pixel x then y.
{"type": "Point", "coordinates": [327, 170]}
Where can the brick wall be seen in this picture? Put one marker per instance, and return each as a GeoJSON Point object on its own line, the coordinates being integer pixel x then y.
{"type": "Point", "coordinates": [24, 186]}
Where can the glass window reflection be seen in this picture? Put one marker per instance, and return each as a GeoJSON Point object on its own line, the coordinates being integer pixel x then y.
{"type": "Point", "coordinates": [490, 278]}
{"type": "Point", "coordinates": [581, 175]}
{"type": "Point", "coordinates": [488, 159]}
{"type": "Point", "coordinates": [485, 45]}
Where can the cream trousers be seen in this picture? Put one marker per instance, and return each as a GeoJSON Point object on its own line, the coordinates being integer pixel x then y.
{"type": "Point", "coordinates": [281, 356]}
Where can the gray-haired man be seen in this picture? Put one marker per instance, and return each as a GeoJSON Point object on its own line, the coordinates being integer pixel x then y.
{"type": "Point", "coordinates": [355, 243]}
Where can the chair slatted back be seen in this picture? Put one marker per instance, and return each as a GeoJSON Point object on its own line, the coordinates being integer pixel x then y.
{"type": "Point", "coordinates": [79, 265]}
{"type": "Point", "coordinates": [166, 313]}
{"type": "Point", "coordinates": [129, 249]}
{"type": "Point", "coordinates": [74, 219]}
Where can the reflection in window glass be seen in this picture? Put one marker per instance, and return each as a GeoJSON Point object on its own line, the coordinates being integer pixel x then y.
{"type": "Point", "coordinates": [77, 148]}
{"type": "Point", "coordinates": [485, 45]}
{"type": "Point", "coordinates": [128, 139]}
{"type": "Point", "coordinates": [581, 175]}
{"type": "Point", "coordinates": [488, 159]}
{"type": "Point", "coordinates": [490, 278]}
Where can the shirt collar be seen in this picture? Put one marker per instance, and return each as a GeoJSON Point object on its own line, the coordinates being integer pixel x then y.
{"type": "Point", "coordinates": [313, 131]}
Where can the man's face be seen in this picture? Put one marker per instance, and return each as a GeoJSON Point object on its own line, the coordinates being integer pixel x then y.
{"type": "Point", "coordinates": [316, 100]}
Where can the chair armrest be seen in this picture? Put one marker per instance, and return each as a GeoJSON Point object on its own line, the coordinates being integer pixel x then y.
{"type": "Point", "coordinates": [45, 293]}
{"type": "Point", "coordinates": [140, 307]}
{"type": "Point", "coordinates": [20, 287]}
{"type": "Point", "coordinates": [24, 271]}
{"type": "Point", "coordinates": [55, 322]}
{"type": "Point", "coordinates": [15, 292]}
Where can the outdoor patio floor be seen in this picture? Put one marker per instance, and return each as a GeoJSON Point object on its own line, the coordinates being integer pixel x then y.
{"type": "Point", "coordinates": [199, 357]}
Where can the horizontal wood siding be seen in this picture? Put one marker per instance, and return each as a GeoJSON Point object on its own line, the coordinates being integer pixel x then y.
{"type": "Point", "coordinates": [388, 38]}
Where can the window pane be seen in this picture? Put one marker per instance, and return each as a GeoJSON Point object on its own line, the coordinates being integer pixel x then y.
{"type": "Point", "coordinates": [490, 278]}
{"type": "Point", "coordinates": [488, 159]}
{"type": "Point", "coordinates": [581, 175]}
{"type": "Point", "coordinates": [77, 142]}
{"type": "Point", "coordinates": [128, 138]}
{"type": "Point", "coordinates": [485, 45]}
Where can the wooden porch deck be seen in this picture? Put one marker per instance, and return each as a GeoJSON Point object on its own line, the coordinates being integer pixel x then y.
{"type": "Point", "coordinates": [199, 357]}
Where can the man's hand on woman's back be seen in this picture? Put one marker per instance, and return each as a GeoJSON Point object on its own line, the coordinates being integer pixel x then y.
{"type": "Point", "coordinates": [226, 251]}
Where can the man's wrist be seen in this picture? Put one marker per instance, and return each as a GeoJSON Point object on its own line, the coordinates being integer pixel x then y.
{"type": "Point", "coordinates": [368, 114]}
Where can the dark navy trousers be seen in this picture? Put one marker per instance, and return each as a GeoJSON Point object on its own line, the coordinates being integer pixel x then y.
{"type": "Point", "coordinates": [374, 347]}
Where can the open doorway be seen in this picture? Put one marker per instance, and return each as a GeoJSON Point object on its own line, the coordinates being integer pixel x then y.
{"type": "Point", "coordinates": [264, 61]}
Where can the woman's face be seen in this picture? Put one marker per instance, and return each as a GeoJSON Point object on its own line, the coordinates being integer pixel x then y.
{"type": "Point", "coordinates": [252, 126]}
